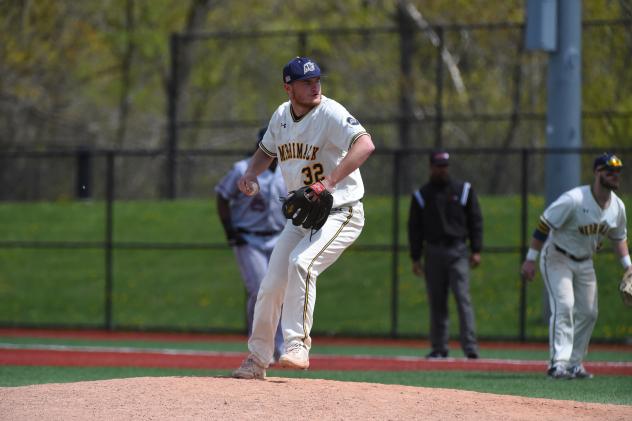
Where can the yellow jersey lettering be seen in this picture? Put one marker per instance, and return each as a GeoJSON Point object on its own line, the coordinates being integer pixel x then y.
{"type": "Point", "coordinates": [297, 150]}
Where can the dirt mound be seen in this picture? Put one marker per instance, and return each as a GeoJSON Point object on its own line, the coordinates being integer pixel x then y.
{"type": "Point", "coordinates": [192, 398]}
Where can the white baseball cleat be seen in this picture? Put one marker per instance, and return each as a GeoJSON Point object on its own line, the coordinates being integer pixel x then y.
{"type": "Point", "coordinates": [558, 371]}
{"type": "Point", "coordinates": [296, 356]}
{"type": "Point", "coordinates": [250, 369]}
{"type": "Point", "coordinates": [579, 372]}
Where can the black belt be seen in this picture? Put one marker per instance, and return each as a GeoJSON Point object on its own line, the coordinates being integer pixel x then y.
{"type": "Point", "coordinates": [570, 256]}
{"type": "Point", "coordinates": [258, 233]}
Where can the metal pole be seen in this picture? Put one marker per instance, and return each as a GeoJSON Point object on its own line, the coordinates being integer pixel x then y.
{"type": "Point", "coordinates": [524, 216]}
{"type": "Point", "coordinates": [406, 42]}
{"type": "Point", "coordinates": [439, 91]}
{"type": "Point", "coordinates": [302, 43]}
{"type": "Point", "coordinates": [172, 117]}
{"type": "Point", "coordinates": [84, 173]}
{"type": "Point", "coordinates": [109, 200]}
{"type": "Point", "coordinates": [395, 247]}
{"type": "Point", "coordinates": [564, 102]}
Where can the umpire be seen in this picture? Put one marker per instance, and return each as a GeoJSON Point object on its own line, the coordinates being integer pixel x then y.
{"type": "Point", "coordinates": [444, 214]}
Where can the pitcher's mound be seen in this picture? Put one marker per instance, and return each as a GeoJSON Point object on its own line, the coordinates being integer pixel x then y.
{"type": "Point", "coordinates": [168, 398]}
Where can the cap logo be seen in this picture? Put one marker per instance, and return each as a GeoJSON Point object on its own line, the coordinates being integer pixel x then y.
{"type": "Point", "coordinates": [308, 67]}
{"type": "Point", "coordinates": [614, 162]}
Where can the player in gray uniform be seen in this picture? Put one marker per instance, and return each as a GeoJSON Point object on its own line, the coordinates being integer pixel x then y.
{"type": "Point", "coordinates": [317, 142]}
{"type": "Point", "coordinates": [252, 225]}
{"type": "Point", "coordinates": [569, 232]}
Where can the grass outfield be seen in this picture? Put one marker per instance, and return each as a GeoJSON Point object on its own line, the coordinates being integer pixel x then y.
{"type": "Point", "coordinates": [201, 289]}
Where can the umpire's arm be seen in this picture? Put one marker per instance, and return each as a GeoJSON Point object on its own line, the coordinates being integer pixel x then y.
{"type": "Point", "coordinates": [475, 227]}
{"type": "Point", "coordinates": [416, 235]}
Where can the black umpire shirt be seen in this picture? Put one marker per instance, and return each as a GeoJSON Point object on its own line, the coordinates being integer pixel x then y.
{"type": "Point", "coordinates": [444, 214]}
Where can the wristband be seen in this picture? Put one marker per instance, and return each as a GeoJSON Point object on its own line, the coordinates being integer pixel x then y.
{"type": "Point", "coordinates": [626, 262]}
{"type": "Point", "coordinates": [318, 187]}
{"type": "Point", "coordinates": [532, 254]}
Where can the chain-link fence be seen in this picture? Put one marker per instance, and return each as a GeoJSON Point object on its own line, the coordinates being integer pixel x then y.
{"type": "Point", "coordinates": [113, 254]}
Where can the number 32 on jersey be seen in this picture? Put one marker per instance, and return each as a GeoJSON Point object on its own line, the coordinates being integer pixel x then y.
{"type": "Point", "coordinates": [312, 173]}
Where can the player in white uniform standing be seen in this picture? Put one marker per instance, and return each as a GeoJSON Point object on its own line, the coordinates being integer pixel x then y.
{"type": "Point", "coordinates": [252, 225]}
{"type": "Point", "coordinates": [316, 140]}
{"type": "Point", "coordinates": [569, 232]}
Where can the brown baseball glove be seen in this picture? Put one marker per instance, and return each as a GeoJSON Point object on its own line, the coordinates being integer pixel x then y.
{"type": "Point", "coordinates": [625, 288]}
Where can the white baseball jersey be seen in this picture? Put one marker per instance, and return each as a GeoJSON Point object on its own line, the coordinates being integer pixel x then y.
{"type": "Point", "coordinates": [579, 224]}
{"type": "Point", "coordinates": [310, 147]}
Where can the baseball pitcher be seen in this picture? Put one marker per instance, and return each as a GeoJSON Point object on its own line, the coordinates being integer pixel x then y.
{"type": "Point", "coordinates": [320, 147]}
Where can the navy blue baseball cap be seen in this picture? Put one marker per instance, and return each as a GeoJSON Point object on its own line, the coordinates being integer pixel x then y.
{"type": "Point", "coordinates": [608, 161]}
{"type": "Point", "coordinates": [300, 68]}
{"type": "Point", "coordinates": [440, 158]}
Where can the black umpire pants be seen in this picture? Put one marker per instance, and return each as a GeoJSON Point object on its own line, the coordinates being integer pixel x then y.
{"type": "Point", "coordinates": [447, 268]}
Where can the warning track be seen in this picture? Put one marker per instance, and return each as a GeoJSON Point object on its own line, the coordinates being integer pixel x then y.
{"type": "Point", "coordinates": [170, 358]}
{"type": "Point", "coordinates": [112, 356]}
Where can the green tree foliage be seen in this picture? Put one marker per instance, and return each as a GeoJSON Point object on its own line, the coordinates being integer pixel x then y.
{"type": "Point", "coordinates": [96, 73]}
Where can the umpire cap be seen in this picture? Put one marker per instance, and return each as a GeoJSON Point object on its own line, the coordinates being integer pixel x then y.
{"type": "Point", "coordinates": [440, 158]}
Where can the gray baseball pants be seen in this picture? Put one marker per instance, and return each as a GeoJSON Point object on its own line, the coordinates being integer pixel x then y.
{"type": "Point", "coordinates": [447, 268]}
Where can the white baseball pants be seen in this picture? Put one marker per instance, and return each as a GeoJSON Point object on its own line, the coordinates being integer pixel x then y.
{"type": "Point", "coordinates": [290, 283]}
{"type": "Point", "coordinates": [572, 288]}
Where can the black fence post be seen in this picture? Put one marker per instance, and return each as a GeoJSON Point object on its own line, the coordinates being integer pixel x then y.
{"type": "Point", "coordinates": [524, 215]}
{"type": "Point", "coordinates": [302, 43]}
{"type": "Point", "coordinates": [395, 248]}
{"type": "Point", "coordinates": [84, 173]}
{"type": "Point", "coordinates": [108, 237]}
{"type": "Point", "coordinates": [439, 91]}
{"type": "Point", "coordinates": [172, 117]}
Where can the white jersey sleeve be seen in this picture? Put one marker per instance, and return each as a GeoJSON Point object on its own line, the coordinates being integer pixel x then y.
{"type": "Point", "coordinates": [559, 211]}
{"type": "Point", "coordinates": [268, 144]}
{"type": "Point", "coordinates": [343, 129]}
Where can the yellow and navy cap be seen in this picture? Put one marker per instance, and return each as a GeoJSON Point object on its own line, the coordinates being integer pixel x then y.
{"type": "Point", "coordinates": [608, 161]}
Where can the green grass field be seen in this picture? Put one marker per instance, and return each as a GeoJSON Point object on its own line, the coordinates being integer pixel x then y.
{"type": "Point", "coordinates": [200, 289]}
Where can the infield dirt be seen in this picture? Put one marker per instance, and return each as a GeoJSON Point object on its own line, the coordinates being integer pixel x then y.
{"type": "Point", "coordinates": [215, 398]}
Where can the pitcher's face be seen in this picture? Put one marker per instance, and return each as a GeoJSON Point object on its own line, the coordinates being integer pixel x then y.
{"type": "Point", "coordinates": [304, 93]}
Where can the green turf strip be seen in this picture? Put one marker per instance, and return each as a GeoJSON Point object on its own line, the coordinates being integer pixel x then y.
{"type": "Point", "coordinates": [601, 389]}
{"type": "Point", "coordinates": [387, 351]}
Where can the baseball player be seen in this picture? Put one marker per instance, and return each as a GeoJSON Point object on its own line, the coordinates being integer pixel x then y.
{"type": "Point", "coordinates": [317, 143]}
{"type": "Point", "coordinates": [252, 225]}
{"type": "Point", "coordinates": [569, 232]}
